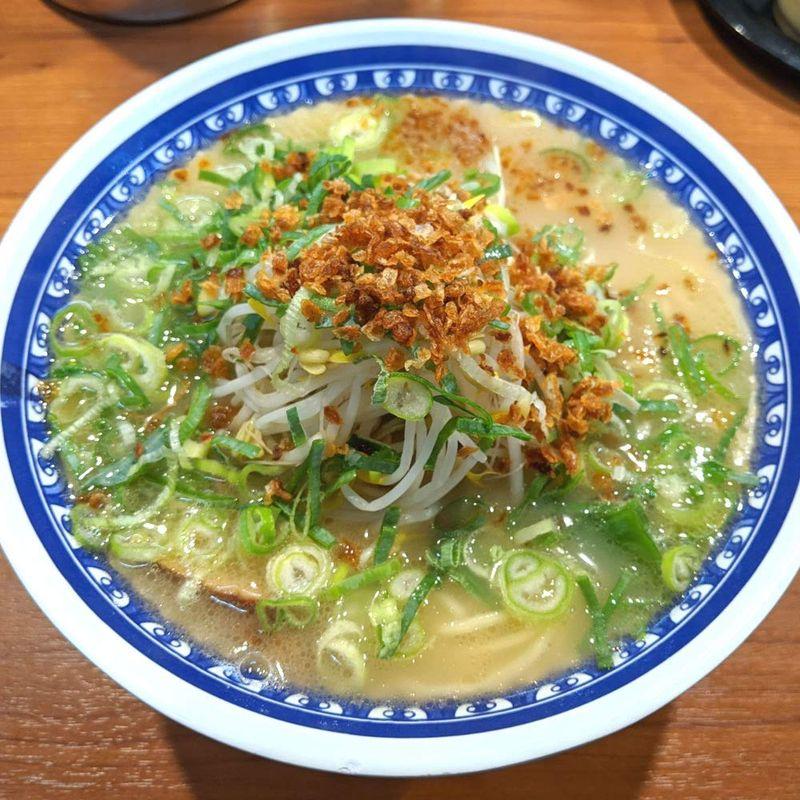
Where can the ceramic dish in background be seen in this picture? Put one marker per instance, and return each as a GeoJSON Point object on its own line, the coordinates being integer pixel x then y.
{"type": "Point", "coordinates": [756, 23]}
{"type": "Point", "coordinates": [104, 173]}
{"type": "Point", "coordinates": [144, 12]}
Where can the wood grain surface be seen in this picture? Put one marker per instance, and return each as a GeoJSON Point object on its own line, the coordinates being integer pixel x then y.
{"type": "Point", "coordinates": [66, 731]}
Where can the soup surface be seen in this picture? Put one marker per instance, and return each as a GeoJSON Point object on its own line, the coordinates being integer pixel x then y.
{"type": "Point", "coordinates": [404, 397]}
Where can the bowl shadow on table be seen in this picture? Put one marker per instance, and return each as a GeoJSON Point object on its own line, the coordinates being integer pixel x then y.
{"type": "Point", "coordinates": [751, 68]}
{"type": "Point", "coordinates": [167, 46]}
{"type": "Point", "coordinates": [616, 766]}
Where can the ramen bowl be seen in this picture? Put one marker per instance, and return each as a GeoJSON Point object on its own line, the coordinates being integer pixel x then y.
{"type": "Point", "coordinates": [100, 178]}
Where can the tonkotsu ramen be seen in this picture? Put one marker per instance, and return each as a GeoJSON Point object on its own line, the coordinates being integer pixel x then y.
{"type": "Point", "coordinates": [404, 397]}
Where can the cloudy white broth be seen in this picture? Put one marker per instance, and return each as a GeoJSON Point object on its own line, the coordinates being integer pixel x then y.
{"type": "Point", "coordinates": [404, 397]}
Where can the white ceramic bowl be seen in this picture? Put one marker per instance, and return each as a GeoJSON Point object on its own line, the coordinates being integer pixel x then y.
{"type": "Point", "coordinates": [100, 177]}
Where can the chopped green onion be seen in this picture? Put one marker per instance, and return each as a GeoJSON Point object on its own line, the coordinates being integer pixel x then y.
{"type": "Point", "coordinates": [578, 162]}
{"type": "Point", "coordinates": [667, 408]}
{"type": "Point", "coordinates": [720, 353]}
{"type": "Point", "coordinates": [187, 488]}
{"type": "Point", "coordinates": [257, 531]}
{"type": "Point", "coordinates": [253, 323]}
{"type": "Point", "coordinates": [299, 569]}
{"type": "Point", "coordinates": [630, 185]}
{"type": "Point", "coordinates": [534, 587]}
{"type": "Point", "coordinates": [343, 479]}
{"type": "Point", "coordinates": [477, 586]}
{"type": "Point", "coordinates": [484, 432]}
{"type": "Point", "coordinates": [449, 383]}
{"type": "Point", "coordinates": [138, 358]}
{"type": "Point", "coordinates": [236, 447]}
{"type": "Point", "coordinates": [306, 240]}
{"type": "Point", "coordinates": [481, 184]}
{"type": "Point", "coordinates": [327, 166]}
{"type": "Point", "coordinates": [600, 616]}
{"type": "Point", "coordinates": [136, 398]}
{"type": "Point", "coordinates": [679, 565]}
{"type": "Point", "coordinates": [461, 514]}
{"type": "Point", "coordinates": [564, 241]}
{"type": "Point", "coordinates": [71, 331]}
{"type": "Point", "coordinates": [371, 456]}
{"type": "Point", "coordinates": [445, 397]}
{"type": "Point", "coordinates": [535, 531]}
{"type": "Point", "coordinates": [629, 298]}
{"type": "Point", "coordinates": [721, 450]}
{"type": "Point", "coordinates": [503, 220]}
{"type": "Point", "coordinates": [258, 297]}
{"type": "Point", "coordinates": [135, 548]}
{"type": "Point", "coordinates": [449, 553]}
{"type": "Point", "coordinates": [364, 128]}
{"type": "Point", "coordinates": [387, 534]}
{"type": "Point", "coordinates": [625, 524]}
{"type": "Point", "coordinates": [434, 181]}
{"type": "Point", "coordinates": [410, 610]}
{"type": "Point", "coordinates": [316, 199]}
{"type": "Point", "coordinates": [292, 612]}
{"type": "Point", "coordinates": [173, 211]}
{"type": "Point", "coordinates": [314, 480]}
{"type": "Point", "coordinates": [684, 362]}
{"type": "Point", "coordinates": [375, 166]}
{"type": "Point", "coordinates": [214, 177]}
{"type": "Point", "coordinates": [198, 406]}
{"type": "Point", "coordinates": [378, 573]}
{"type": "Point", "coordinates": [496, 252]}
{"type": "Point", "coordinates": [426, 185]}
{"type": "Point", "coordinates": [295, 427]}
{"type": "Point", "coordinates": [499, 325]}
{"type": "Point", "coordinates": [265, 471]}
{"type": "Point", "coordinates": [407, 399]}
{"type": "Point", "coordinates": [217, 470]}
{"type": "Point", "coordinates": [322, 536]}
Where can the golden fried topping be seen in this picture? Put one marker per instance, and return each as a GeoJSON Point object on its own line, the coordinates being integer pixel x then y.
{"type": "Point", "coordinates": [407, 273]}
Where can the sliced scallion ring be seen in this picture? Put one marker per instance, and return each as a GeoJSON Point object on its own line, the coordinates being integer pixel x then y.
{"type": "Point", "coordinates": [477, 557]}
{"type": "Point", "coordinates": [135, 548]}
{"type": "Point", "coordinates": [407, 399]}
{"type": "Point", "coordinates": [679, 565]}
{"type": "Point", "coordinates": [76, 393]}
{"type": "Point", "coordinates": [341, 662]}
{"type": "Point", "coordinates": [628, 185]}
{"type": "Point", "coordinates": [720, 353]}
{"type": "Point", "coordinates": [199, 539]}
{"type": "Point", "coordinates": [404, 583]}
{"type": "Point", "coordinates": [534, 588]}
{"type": "Point", "coordinates": [365, 127]}
{"type": "Point", "coordinates": [254, 477]}
{"type": "Point", "coordinates": [143, 361]}
{"type": "Point", "coordinates": [257, 531]}
{"type": "Point", "coordinates": [698, 509]}
{"type": "Point", "coordinates": [292, 612]}
{"type": "Point", "coordinates": [71, 331]}
{"type": "Point", "coordinates": [299, 569]}
{"type": "Point", "coordinates": [562, 158]}
{"type": "Point", "coordinates": [387, 617]}
{"type": "Point", "coordinates": [602, 459]}
{"type": "Point", "coordinates": [87, 535]}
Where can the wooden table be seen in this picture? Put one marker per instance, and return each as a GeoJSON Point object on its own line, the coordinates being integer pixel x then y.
{"type": "Point", "coordinates": [66, 731]}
